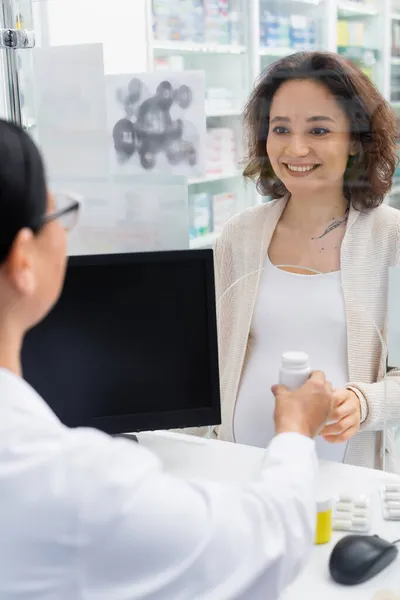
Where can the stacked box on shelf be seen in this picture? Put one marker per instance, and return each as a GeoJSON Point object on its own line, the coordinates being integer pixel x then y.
{"type": "Point", "coordinates": [220, 99]}
{"type": "Point", "coordinates": [199, 21]}
{"type": "Point", "coordinates": [224, 206]}
{"type": "Point", "coordinates": [350, 33]}
{"type": "Point", "coordinates": [200, 215]}
{"type": "Point", "coordinates": [395, 83]}
{"type": "Point", "coordinates": [209, 214]}
{"type": "Point", "coordinates": [216, 21]}
{"type": "Point", "coordinates": [395, 38]}
{"type": "Point", "coordinates": [295, 31]}
{"type": "Point", "coordinates": [221, 155]}
{"type": "Point", "coordinates": [178, 20]}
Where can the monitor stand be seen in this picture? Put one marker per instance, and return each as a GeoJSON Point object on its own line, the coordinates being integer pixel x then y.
{"type": "Point", "coordinates": [128, 436]}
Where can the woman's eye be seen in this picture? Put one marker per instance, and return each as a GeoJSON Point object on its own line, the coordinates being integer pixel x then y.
{"type": "Point", "coordinates": [318, 131]}
{"type": "Point", "coordinates": [280, 130]}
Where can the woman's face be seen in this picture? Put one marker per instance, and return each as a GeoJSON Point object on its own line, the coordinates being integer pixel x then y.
{"type": "Point", "coordinates": [308, 142]}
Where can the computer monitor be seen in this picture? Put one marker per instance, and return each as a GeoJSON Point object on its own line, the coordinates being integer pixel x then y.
{"type": "Point", "coordinates": [131, 344]}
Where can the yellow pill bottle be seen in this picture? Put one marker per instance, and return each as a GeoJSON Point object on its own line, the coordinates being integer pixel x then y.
{"type": "Point", "coordinates": [323, 533]}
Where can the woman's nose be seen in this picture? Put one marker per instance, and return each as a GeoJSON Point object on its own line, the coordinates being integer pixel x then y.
{"type": "Point", "coordinates": [297, 146]}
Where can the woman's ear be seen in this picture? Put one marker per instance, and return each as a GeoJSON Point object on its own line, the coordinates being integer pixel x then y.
{"type": "Point", "coordinates": [20, 262]}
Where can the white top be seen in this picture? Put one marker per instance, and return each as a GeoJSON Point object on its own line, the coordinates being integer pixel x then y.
{"type": "Point", "coordinates": [83, 515]}
{"type": "Point", "coordinates": [293, 312]}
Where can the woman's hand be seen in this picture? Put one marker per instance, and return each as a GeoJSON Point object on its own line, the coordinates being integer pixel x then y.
{"type": "Point", "coordinates": [347, 417]}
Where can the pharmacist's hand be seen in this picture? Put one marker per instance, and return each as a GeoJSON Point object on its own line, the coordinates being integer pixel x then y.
{"type": "Point", "coordinates": [305, 410]}
{"type": "Point", "coordinates": [347, 417]}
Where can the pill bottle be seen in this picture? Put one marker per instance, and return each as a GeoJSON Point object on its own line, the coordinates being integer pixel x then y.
{"type": "Point", "coordinates": [323, 533]}
{"type": "Point", "coordinates": [295, 369]}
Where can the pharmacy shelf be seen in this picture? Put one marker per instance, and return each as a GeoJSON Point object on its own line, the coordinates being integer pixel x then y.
{"type": "Point", "coordinates": [355, 9]}
{"type": "Point", "coordinates": [215, 177]}
{"type": "Point", "coordinates": [223, 112]}
{"type": "Point", "coordinates": [278, 51]}
{"type": "Point", "coordinates": [204, 241]}
{"type": "Point", "coordinates": [176, 46]}
{"type": "Point", "coordinates": [307, 2]}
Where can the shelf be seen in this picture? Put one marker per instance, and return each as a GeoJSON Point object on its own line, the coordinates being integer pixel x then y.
{"type": "Point", "coordinates": [312, 2]}
{"type": "Point", "coordinates": [215, 177]}
{"type": "Point", "coordinates": [198, 47]}
{"type": "Point", "coordinates": [395, 16]}
{"type": "Point", "coordinates": [395, 60]}
{"type": "Point", "coordinates": [223, 112]}
{"type": "Point", "coordinates": [355, 9]}
{"type": "Point", "coordinates": [203, 241]}
{"type": "Point", "coordinates": [277, 51]}
{"type": "Point", "coordinates": [366, 56]}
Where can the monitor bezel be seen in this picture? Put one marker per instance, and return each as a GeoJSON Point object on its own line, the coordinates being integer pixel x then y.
{"type": "Point", "coordinates": [206, 416]}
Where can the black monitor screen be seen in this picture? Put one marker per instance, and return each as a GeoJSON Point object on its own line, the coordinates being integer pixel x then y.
{"type": "Point", "coordinates": [131, 344]}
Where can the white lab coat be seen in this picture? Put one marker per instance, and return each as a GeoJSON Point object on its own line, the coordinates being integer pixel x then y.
{"type": "Point", "coordinates": [87, 517]}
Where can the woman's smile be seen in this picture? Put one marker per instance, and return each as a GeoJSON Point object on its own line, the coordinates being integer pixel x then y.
{"type": "Point", "coordinates": [300, 170]}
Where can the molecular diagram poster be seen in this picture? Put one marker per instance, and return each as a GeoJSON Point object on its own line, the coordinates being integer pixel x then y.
{"type": "Point", "coordinates": [157, 123]}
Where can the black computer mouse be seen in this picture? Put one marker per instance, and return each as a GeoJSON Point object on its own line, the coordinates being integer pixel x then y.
{"type": "Point", "coordinates": [357, 558]}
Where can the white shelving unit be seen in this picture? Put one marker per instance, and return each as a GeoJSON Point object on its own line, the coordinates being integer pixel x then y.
{"type": "Point", "coordinates": [210, 177]}
{"type": "Point", "coordinates": [198, 48]}
{"type": "Point", "coordinates": [225, 60]}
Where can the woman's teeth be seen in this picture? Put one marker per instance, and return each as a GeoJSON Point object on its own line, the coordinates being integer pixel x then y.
{"type": "Point", "coordinates": [300, 169]}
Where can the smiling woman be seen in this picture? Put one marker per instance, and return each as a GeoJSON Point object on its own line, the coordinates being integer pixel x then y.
{"type": "Point", "coordinates": [322, 142]}
{"type": "Point", "coordinates": [313, 96]}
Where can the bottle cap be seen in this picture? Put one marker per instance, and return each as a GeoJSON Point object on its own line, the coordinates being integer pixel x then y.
{"type": "Point", "coordinates": [324, 505]}
{"type": "Point", "coordinates": [295, 360]}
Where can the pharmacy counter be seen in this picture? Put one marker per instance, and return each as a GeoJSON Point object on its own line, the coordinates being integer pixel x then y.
{"type": "Point", "coordinates": [189, 456]}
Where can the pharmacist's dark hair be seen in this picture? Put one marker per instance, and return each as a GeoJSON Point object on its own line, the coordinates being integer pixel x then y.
{"type": "Point", "coordinates": [368, 177]}
{"type": "Point", "coordinates": [23, 195]}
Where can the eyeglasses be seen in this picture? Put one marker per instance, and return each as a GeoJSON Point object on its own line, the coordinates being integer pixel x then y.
{"type": "Point", "coordinates": [67, 210]}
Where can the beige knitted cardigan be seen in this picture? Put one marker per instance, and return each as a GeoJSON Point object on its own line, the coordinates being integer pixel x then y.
{"type": "Point", "coordinates": [371, 245]}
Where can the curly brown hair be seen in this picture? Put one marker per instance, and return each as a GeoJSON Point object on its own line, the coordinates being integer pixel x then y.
{"type": "Point", "coordinates": [368, 177]}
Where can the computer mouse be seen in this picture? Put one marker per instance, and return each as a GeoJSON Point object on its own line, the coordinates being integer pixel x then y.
{"type": "Point", "coordinates": [357, 558]}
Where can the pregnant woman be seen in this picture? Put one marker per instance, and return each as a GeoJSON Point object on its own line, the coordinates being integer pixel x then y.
{"type": "Point", "coordinates": [309, 270]}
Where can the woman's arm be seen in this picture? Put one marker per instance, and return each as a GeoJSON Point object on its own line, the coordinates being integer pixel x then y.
{"type": "Point", "coordinates": [381, 402]}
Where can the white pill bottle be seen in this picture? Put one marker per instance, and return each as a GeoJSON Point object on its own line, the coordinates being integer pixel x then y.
{"type": "Point", "coordinates": [295, 369]}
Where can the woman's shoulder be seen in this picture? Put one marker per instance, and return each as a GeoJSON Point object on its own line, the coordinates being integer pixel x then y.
{"type": "Point", "coordinates": [250, 220]}
{"type": "Point", "coordinates": [384, 220]}
{"type": "Point", "coordinates": [387, 214]}
{"type": "Point", "coordinates": [377, 234]}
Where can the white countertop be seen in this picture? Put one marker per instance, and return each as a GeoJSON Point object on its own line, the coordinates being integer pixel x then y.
{"type": "Point", "coordinates": [193, 457]}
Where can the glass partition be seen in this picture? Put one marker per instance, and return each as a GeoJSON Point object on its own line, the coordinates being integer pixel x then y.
{"type": "Point", "coordinates": [137, 106]}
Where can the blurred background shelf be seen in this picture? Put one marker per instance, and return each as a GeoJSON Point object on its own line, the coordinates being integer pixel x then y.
{"type": "Point", "coordinates": [215, 177]}
{"type": "Point", "coordinates": [276, 52]}
{"type": "Point", "coordinates": [184, 46]}
{"type": "Point", "coordinates": [204, 241]}
{"type": "Point", "coordinates": [223, 112]}
{"type": "Point", "coordinates": [357, 9]}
